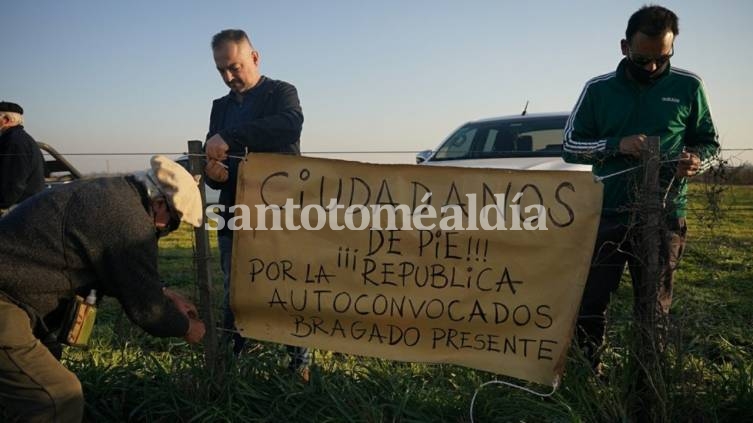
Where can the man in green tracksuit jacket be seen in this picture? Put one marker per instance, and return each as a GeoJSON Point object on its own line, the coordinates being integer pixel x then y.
{"type": "Point", "coordinates": [615, 113]}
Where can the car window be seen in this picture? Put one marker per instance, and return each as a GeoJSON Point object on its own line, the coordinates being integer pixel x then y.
{"type": "Point", "coordinates": [545, 139]}
{"type": "Point", "coordinates": [528, 137]}
{"type": "Point", "coordinates": [459, 145]}
{"type": "Point", "coordinates": [491, 137]}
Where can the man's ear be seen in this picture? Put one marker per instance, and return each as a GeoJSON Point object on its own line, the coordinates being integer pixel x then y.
{"type": "Point", "coordinates": [624, 46]}
{"type": "Point", "coordinates": [255, 56]}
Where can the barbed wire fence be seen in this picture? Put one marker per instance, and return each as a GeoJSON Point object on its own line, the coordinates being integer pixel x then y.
{"type": "Point", "coordinates": [650, 325]}
{"type": "Point", "coordinates": [652, 333]}
{"type": "Point", "coordinates": [650, 387]}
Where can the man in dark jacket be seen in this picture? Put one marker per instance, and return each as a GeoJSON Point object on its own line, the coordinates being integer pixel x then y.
{"type": "Point", "coordinates": [258, 115]}
{"type": "Point", "coordinates": [94, 234]}
{"type": "Point", "coordinates": [21, 161]}
{"type": "Point", "coordinates": [645, 96]}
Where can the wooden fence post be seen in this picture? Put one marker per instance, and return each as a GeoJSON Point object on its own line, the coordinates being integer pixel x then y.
{"type": "Point", "coordinates": [201, 264]}
{"type": "Point", "coordinates": [649, 393]}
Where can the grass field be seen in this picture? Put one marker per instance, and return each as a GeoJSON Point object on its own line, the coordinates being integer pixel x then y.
{"type": "Point", "coordinates": [129, 376]}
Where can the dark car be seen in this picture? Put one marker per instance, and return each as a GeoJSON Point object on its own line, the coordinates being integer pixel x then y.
{"type": "Point", "coordinates": [57, 170]}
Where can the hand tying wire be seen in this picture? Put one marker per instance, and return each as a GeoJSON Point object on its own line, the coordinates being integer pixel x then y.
{"type": "Point", "coordinates": [688, 165]}
{"type": "Point", "coordinates": [216, 170]}
{"type": "Point", "coordinates": [632, 145]}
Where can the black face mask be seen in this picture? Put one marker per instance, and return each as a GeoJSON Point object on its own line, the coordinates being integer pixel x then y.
{"type": "Point", "coordinates": [171, 225]}
{"type": "Point", "coordinates": [642, 75]}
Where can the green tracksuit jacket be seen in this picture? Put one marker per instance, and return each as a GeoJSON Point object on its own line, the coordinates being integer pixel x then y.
{"type": "Point", "coordinates": [611, 107]}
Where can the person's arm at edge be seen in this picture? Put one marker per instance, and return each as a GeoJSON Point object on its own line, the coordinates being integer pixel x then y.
{"type": "Point", "coordinates": [15, 168]}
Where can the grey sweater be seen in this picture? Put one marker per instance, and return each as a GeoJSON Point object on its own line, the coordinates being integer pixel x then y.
{"type": "Point", "coordinates": [87, 234]}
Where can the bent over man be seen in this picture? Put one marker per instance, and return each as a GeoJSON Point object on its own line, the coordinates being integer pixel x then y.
{"type": "Point", "coordinates": [96, 234]}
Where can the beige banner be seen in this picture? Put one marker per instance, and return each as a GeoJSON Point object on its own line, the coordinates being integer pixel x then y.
{"type": "Point", "coordinates": [501, 300]}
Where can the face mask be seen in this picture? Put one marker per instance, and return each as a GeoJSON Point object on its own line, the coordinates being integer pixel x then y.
{"type": "Point", "coordinates": [171, 225]}
{"type": "Point", "coordinates": [161, 232]}
{"type": "Point", "coordinates": [642, 75]}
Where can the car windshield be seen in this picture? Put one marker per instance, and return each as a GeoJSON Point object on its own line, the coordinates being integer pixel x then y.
{"type": "Point", "coordinates": [524, 137]}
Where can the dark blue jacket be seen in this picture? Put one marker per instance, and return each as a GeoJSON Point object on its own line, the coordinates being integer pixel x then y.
{"type": "Point", "coordinates": [273, 125]}
{"type": "Point", "coordinates": [21, 167]}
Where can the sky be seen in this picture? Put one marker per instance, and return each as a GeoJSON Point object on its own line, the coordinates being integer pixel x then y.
{"type": "Point", "coordinates": [108, 83]}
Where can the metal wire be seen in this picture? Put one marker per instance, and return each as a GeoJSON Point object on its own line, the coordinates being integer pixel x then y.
{"type": "Point", "coordinates": [630, 169]}
{"type": "Point", "coordinates": [512, 385]}
{"type": "Point", "coordinates": [303, 152]}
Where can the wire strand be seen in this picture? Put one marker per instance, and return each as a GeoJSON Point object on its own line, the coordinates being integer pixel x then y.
{"type": "Point", "coordinates": [303, 152]}
{"type": "Point", "coordinates": [555, 385]}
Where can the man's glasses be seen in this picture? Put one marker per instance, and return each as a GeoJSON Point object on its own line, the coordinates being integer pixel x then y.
{"type": "Point", "coordinates": [643, 60]}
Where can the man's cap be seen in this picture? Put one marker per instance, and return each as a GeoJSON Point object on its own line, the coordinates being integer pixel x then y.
{"type": "Point", "coordinates": [177, 185]}
{"type": "Point", "coordinates": [7, 106]}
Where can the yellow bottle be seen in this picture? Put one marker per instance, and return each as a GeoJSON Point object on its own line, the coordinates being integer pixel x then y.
{"type": "Point", "coordinates": [86, 313]}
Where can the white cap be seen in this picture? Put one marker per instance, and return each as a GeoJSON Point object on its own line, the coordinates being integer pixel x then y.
{"type": "Point", "coordinates": [177, 185]}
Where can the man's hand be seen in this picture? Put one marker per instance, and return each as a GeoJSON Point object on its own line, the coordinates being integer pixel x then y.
{"type": "Point", "coordinates": [196, 331]}
{"type": "Point", "coordinates": [216, 171]}
{"type": "Point", "coordinates": [632, 145]}
{"type": "Point", "coordinates": [196, 328]}
{"type": "Point", "coordinates": [181, 303]}
{"type": "Point", "coordinates": [216, 148]}
{"type": "Point", "coordinates": [688, 165]}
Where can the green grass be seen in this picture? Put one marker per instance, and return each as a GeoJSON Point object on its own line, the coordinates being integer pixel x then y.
{"type": "Point", "coordinates": [129, 376]}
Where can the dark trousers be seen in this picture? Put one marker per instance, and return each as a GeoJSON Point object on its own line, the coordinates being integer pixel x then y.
{"type": "Point", "coordinates": [617, 245]}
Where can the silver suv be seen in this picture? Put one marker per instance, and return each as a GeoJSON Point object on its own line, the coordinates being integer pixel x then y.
{"type": "Point", "coordinates": [532, 142]}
